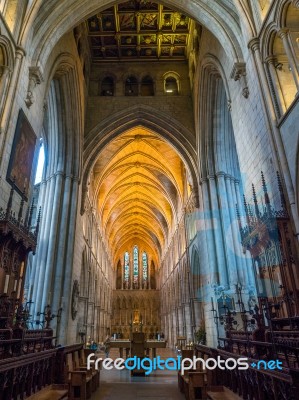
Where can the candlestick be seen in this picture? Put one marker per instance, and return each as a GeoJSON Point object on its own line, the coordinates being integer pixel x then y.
{"type": "Point", "coordinates": [6, 283]}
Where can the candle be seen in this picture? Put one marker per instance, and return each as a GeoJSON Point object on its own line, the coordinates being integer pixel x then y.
{"type": "Point", "coordinates": [6, 283]}
{"type": "Point", "coordinates": [15, 285]}
{"type": "Point", "coordinates": [22, 269]}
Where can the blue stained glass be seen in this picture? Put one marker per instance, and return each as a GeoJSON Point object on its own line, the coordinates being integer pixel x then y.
{"type": "Point", "coordinates": [144, 266]}
{"type": "Point", "coordinates": [135, 264]}
{"type": "Point", "coordinates": [127, 266]}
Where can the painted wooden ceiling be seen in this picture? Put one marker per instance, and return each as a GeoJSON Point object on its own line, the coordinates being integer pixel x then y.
{"type": "Point", "coordinates": [138, 182]}
{"type": "Point", "coordinates": [138, 30]}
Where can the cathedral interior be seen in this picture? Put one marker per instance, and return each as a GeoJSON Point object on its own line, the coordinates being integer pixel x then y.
{"type": "Point", "coordinates": [149, 195]}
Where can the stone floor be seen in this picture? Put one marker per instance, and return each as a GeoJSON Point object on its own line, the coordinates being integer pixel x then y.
{"type": "Point", "coordinates": [120, 385]}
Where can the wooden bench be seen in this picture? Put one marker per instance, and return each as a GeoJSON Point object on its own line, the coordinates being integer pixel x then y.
{"type": "Point", "coordinates": [184, 354]}
{"type": "Point", "coordinates": [51, 392]}
{"type": "Point", "coordinates": [80, 381]}
{"type": "Point", "coordinates": [80, 358]}
{"type": "Point", "coordinates": [194, 382]}
{"type": "Point", "coordinates": [222, 393]}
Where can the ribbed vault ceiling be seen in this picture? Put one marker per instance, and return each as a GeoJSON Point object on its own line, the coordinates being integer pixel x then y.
{"type": "Point", "coordinates": [138, 181]}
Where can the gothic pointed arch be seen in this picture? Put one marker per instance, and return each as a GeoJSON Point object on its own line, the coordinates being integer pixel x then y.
{"type": "Point", "coordinates": [221, 19]}
{"type": "Point", "coordinates": [110, 128]}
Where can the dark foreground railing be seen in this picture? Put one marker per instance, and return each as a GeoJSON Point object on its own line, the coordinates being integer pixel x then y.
{"type": "Point", "coordinates": [253, 383]}
{"type": "Point", "coordinates": [27, 374]}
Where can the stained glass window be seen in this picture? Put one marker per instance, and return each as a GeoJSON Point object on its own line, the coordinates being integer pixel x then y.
{"type": "Point", "coordinates": [144, 266]}
{"type": "Point", "coordinates": [135, 265]}
{"type": "Point", "coordinates": [40, 164]}
{"type": "Point", "coordinates": [127, 267]}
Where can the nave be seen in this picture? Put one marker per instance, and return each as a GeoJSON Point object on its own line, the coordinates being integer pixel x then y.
{"type": "Point", "coordinates": [121, 385]}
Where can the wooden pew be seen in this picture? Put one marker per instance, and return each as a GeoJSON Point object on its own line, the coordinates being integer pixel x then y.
{"type": "Point", "coordinates": [194, 381]}
{"type": "Point", "coordinates": [80, 358]}
{"type": "Point", "coordinates": [184, 354]}
{"type": "Point", "coordinates": [80, 382]}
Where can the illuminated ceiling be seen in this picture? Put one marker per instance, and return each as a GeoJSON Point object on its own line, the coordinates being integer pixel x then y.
{"type": "Point", "coordinates": [138, 183]}
{"type": "Point", "coordinates": [138, 30]}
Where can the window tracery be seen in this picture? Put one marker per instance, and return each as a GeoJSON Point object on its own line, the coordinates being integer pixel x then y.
{"type": "Point", "coordinates": [144, 269]}
{"type": "Point", "coordinates": [135, 267]}
{"type": "Point", "coordinates": [126, 269]}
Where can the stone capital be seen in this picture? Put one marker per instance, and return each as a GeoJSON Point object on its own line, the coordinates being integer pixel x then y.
{"type": "Point", "coordinates": [4, 69]}
{"type": "Point", "coordinates": [254, 44]}
{"type": "Point", "coordinates": [239, 70]}
{"type": "Point", "coordinates": [220, 174]}
{"type": "Point", "coordinates": [35, 78]}
{"type": "Point", "coordinates": [228, 177]}
{"type": "Point", "coordinates": [36, 74]}
{"type": "Point", "coordinates": [239, 74]}
{"type": "Point", "coordinates": [283, 33]}
{"type": "Point", "coordinates": [211, 177]}
{"type": "Point", "coordinates": [271, 60]}
{"type": "Point", "coordinates": [20, 52]}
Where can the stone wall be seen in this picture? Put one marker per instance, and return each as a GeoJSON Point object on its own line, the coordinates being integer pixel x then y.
{"type": "Point", "coordinates": [179, 107]}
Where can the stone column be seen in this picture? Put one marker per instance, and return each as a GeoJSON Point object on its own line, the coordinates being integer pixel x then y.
{"type": "Point", "coordinates": [39, 261]}
{"type": "Point", "coordinates": [72, 200]}
{"type": "Point", "coordinates": [279, 104]}
{"type": "Point", "coordinates": [274, 133]}
{"type": "Point", "coordinates": [240, 259]}
{"type": "Point", "coordinates": [34, 270]}
{"type": "Point", "coordinates": [284, 35]}
{"type": "Point", "coordinates": [4, 74]}
{"type": "Point", "coordinates": [53, 234]}
{"type": "Point", "coordinates": [240, 266]}
{"type": "Point", "coordinates": [227, 230]}
{"type": "Point", "coordinates": [197, 313]}
{"type": "Point", "coordinates": [60, 259]}
{"type": "Point", "coordinates": [218, 237]}
{"type": "Point", "coordinates": [209, 239]}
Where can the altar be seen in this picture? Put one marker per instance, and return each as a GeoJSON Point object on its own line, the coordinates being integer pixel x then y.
{"type": "Point", "coordinates": [149, 345]}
